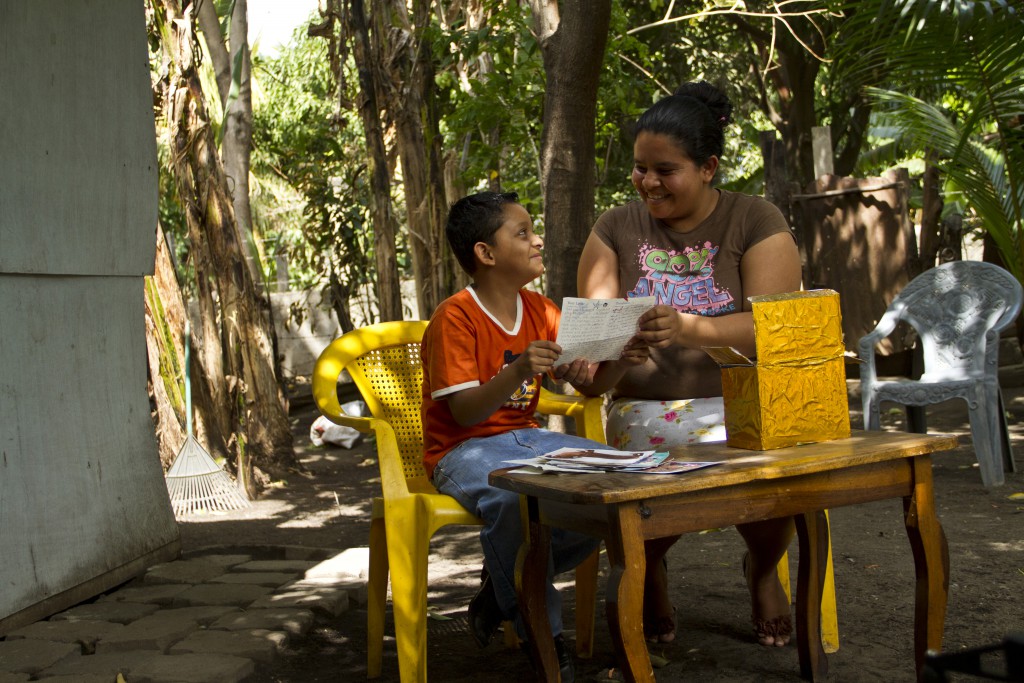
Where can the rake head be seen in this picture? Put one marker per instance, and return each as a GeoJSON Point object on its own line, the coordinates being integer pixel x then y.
{"type": "Point", "coordinates": [197, 484]}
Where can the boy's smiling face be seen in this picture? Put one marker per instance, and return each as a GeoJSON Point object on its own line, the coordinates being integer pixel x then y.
{"type": "Point", "coordinates": [517, 250]}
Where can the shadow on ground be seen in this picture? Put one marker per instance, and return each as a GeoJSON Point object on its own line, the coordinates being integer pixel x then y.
{"type": "Point", "coordinates": [327, 507]}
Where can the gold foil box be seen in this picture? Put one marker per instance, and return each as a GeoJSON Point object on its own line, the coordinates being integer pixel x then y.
{"type": "Point", "coordinates": [796, 390]}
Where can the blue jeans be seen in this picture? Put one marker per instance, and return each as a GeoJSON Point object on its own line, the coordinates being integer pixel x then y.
{"type": "Point", "coordinates": [462, 474]}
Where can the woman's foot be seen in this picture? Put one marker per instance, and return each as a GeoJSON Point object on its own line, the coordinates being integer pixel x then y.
{"type": "Point", "coordinates": [770, 614]}
{"type": "Point", "coordinates": [659, 614]}
{"type": "Point", "coordinates": [660, 630]}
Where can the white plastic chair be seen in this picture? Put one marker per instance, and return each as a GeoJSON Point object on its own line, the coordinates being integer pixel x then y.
{"type": "Point", "coordinates": [958, 310]}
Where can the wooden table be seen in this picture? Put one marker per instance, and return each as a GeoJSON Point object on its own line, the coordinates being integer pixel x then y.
{"type": "Point", "coordinates": [748, 486]}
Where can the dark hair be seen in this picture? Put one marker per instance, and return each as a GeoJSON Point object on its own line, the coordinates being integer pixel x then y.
{"type": "Point", "coordinates": [475, 219]}
{"type": "Point", "coordinates": [694, 116]}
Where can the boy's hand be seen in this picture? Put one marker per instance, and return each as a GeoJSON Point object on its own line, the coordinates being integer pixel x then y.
{"type": "Point", "coordinates": [579, 373]}
{"type": "Point", "coordinates": [660, 327]}
{"type": "Point", "coordinates": [636, 352]}
{"type": "Point", "coordinates": [538, 358]}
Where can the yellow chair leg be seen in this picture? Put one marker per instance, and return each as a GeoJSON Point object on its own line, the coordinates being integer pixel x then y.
{"type": "Point", "coordinates": [408, 547]}
{"type": "Point", "coordinates": [511, 637]}
{"type": "Point", "coordinates": [376, 597]}
{"type": "Point", "coordinates": [829, 615]}
{"type": "Point", "coordinates": [783, 570]}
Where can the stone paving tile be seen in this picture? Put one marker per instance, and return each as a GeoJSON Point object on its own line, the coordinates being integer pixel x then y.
{"type": "Point", "coordinates": [194, 668]}
{"type": "Point", "coordinates": [107, 665]}
{"type": "Point", "coordinates": [271, 579]}
{"type": "Point", "coordinates": [13, 678]}
{"type": "Point", "coordinates": [157, 594]}
{"type": "Point", "coordinates": [182, 571]}
{"type": "Point", "coordinates": [78, 678]}
{"type": "Point", "coordinates": [356, 588]}
{"type": "Point", "coordinates": [225, 560]}
{"type": "Point", "coordinates": [220, 594]}
{"type": "Point", "coordinates": [295, 621]}
{"type": "Point", "coordinates": [328, 601]}
{"type": "Point", "coordinates": [299, 566]}
{"type": "Point", "coordinates": [84, 633]}
{"type": "Point", "coordinates": [203, 615]}
{"type": "Point", "coordinates": [120, 612]}
{"type": "Point", "coordinates": [300, 552]}
{"type": "Point", "coordinates": [29, 656]}
{"type": "Point", "coordinates": [155, 632]}
{"type": "Point", "coordinates": [258, 644]}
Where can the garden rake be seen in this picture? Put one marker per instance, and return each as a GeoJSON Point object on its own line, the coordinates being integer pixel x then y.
{"type": "Point", "coordinates": [195, 481]}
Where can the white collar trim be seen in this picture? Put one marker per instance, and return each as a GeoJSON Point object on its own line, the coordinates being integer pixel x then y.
{"type": "Point", "coordinates": [519, 313]}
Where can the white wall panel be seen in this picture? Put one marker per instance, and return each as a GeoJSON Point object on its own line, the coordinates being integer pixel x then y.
{"type": "Point", "coordinates": [78, 169]}
{"type": "Point", "coordinates": [81, 489]}
{"type": "Point", "coordinates": [83, 504]}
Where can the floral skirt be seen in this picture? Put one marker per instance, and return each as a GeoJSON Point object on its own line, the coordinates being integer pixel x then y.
{"type": "Point", "coordinates": [635, 424]}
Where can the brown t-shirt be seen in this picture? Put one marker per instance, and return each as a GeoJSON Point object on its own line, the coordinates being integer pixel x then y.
{"type": "Point", "coordinates": [694, 272]}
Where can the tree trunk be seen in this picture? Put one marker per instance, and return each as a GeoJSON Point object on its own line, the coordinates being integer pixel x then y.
{"type": "Point", "coordinates": [411, 102]}
{"type": "Point", "coordinates": [795, 82]}
{"type": "Point", "coordinates": [572, 42]}
{"type": "Point", "coordinates": [389, 296]}
{"type": "Point", "coordinates": [792, 77]}
{"type": "Point", "coordinates": [931, 214]}
{"type": "Point", "coordinates": [236, 144]}
{"type": "Point", "coordinates": [261, 433]}
{"type": "Point", "coordinates": [165, 326]}
{"type": "Point", "coordinates": [166, 373]}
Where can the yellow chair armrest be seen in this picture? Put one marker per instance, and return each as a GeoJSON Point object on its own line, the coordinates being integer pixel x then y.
{"type": "Point", "coordinates": [586, 410]}
{"type": "Point", "coordinates": [362, 424]}
{"type": "Point", "coordinates": [392, 478]}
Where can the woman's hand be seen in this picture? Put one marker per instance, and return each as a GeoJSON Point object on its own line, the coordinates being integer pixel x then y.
{"type": "Point", "coordinates": [636, 352]}
{"type": "Point", "coordinates": [661, 326]}
{"type": "Point", "coordinates": [579, 373]}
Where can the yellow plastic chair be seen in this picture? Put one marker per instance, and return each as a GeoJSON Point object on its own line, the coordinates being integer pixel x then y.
{"type": "Point", "coordinates": [829, 617]}
{"type": "Point", "coordinates": [383, 361]}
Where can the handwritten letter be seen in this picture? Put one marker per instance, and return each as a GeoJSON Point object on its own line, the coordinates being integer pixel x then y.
{"type": "Point", "coordinates": [598, 329]}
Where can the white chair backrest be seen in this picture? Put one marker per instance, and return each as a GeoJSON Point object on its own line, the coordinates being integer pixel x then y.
{"type": "Point", "coordinates": [958, 309]}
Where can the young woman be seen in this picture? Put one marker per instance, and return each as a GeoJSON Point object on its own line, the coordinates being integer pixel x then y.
{"type": "Point", "coordinates": [701, 252]}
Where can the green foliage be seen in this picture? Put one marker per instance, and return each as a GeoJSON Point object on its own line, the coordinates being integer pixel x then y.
{"type": "Point", "coordinates": [644, 64]}
{"type": "Point", "coordinates": [953, 84]}
{"type": "Point", "coordinates": [311, 162]}
{"type": "Point", "coordinates": [310, 186]}
{"type": "Point", "coordinates": [495, 114]}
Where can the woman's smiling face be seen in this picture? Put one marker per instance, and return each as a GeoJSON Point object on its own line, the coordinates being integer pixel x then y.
{"type": "Point", "coordinates": [675, 189]}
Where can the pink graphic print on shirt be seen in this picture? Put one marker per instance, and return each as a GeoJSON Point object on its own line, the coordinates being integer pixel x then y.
{"type": "Point", "coordinates": [683, 280]}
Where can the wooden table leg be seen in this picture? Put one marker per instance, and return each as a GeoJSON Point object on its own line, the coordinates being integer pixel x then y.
{"type": "Point", "coordinates": [931, 562]}
{"type": "Point", "coordinates": [812, 532]}
{"type": "Point", "coordinates": [531, 591]}
{"type": "Point", "coordinates": [625, 593]}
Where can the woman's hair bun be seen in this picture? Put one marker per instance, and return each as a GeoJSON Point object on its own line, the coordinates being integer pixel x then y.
{"type": "Point", "coordinates": [713, 98]}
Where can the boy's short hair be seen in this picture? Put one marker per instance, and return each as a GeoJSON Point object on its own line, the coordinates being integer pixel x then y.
{"type": "Point", "coordinates": [473, 219]}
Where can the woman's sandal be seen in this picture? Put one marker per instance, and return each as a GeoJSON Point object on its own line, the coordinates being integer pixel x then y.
{"type": "Point", "coordinates": [774, 632]}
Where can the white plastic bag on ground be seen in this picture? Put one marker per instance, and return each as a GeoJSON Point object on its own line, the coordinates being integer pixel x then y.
{"type": "Point", "coordinates": [323, 431]}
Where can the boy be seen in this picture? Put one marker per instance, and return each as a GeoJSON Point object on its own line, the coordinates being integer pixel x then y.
{"type": "Point", "coordinates": [483, 353]}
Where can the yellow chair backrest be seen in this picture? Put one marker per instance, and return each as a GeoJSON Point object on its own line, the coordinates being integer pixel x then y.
{"type": "Point", "coordinates": [383, 361]}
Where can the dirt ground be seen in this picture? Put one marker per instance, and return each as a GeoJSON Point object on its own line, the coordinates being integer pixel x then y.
{"type": "Point", "coordinates": [327, 508]}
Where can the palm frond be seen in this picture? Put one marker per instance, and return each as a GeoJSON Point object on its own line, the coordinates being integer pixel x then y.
{"type": "Point", "coordinates": [981, 172]}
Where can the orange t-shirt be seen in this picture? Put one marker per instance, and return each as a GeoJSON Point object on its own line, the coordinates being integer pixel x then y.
{"type": "Point", "coordinates": [464, 347]}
